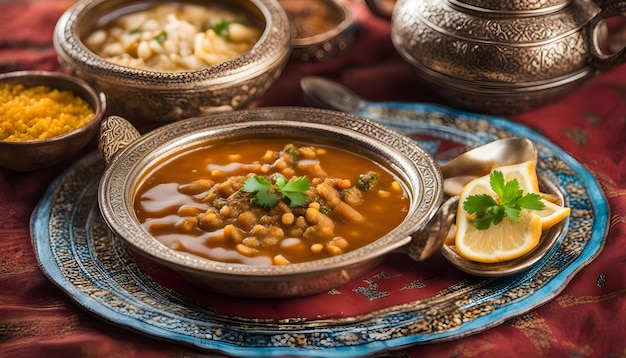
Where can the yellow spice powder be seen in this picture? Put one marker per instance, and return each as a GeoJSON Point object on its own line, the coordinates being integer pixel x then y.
{"type": "Point", "coordinates": [39, 112]}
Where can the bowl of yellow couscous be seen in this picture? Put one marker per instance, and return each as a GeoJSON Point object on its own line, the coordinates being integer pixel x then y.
{"type": "Point", "coordinates": [45, 117]}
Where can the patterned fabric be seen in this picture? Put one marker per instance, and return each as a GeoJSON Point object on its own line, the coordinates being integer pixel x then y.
{"type": "Point", "coordinates": [585, 319]}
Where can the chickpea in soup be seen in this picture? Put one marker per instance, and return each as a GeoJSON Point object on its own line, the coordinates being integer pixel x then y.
{"type": "Point", "coordinates": [268, 202]}
{"type": "Point", "coordinates": [175, 37]}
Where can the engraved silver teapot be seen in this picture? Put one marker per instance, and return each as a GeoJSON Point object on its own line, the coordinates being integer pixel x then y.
{"type": "Point", "coordinates": [503, 57]}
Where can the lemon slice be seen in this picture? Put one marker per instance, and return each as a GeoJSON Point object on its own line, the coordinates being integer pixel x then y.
{"type": "Point", "coordinates": [507, 240]}
{"type": "Point", "coordinates": [525, 173]}
{"type": "Point", "coordinates": [552, 214]}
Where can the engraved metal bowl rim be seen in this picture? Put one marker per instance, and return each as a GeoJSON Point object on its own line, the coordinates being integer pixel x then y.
{"type": "Point", "coordinates": [411, 162]}
{"type": "Point", "coordinates": [70, 47]}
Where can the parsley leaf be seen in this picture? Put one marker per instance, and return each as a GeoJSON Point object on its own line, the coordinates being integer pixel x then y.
{"type": "Point", "coordinates": [510, 201]}
{"type": "Point", "coordinates": [292, 192]}
{"type": "Point", "coordinates": [161, 37]}
{"type": "Point", "coordinates": [262, 190]}
{"type": "Point", "coordinates": [367, 181]}
{"type": "Point", "coordinates": [221, 29]}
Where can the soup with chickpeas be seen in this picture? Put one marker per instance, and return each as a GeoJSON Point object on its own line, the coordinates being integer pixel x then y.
{"type": "Point", "coordinates": [175, 37]}
{"type": "Point", "coordinates": [268, 201]}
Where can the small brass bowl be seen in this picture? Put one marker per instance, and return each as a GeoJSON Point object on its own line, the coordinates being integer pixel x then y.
{"type": "Point", "coordinates": [151, 98]}
{"type": "Point", "coordinates": [321, 29]}
{"type": "Point", "coordinates": [38, 154]}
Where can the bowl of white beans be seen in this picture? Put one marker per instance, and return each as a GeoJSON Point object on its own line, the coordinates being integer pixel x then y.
{"type": "Point", "coordinates": [160, 62]}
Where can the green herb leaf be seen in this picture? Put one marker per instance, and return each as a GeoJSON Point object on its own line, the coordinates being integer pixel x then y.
{"type": "Point", "coordinates": [221, 29]}
{"type": "Point", "coordinates": [478, 203]}
{"type": "Point", "coordinates": [509, 203]}
{"type": "Point", "coordinates": [293, 151]}
{"type": "Point", "coordinates": [482, 223]}
{"type": "Point", "coordinates": [262, 190]}
{"type": "Point", "coordinates": [367, 181]}
{"type": "Point", "coordinates": [265, 194]}
{"type": "Point", "coordinates": [496, 180]}
{"type": "Point", "coordinates": [295, 190]}
{"type": "Point", "coordinates": [531, 201]}
{"type": "Point", "coordinates": [161, 37]}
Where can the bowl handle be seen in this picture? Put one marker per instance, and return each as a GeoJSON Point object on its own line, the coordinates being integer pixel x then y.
{"type": "Point", "coordinates": [600, 61]}
{"type": "Point", "coordinates": [116, 133]}
{"type": "Point", "coordinates": [429, 240]}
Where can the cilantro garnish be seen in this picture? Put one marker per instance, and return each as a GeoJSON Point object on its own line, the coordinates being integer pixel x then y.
{"type": "Point", "coordinates": [511, 200]}
{"type": "Point", "coordinates": [161, 37]}
{"type": "Point", "coordinates": [262, 190]}
{"type": "Point", "coordinates": [367, 181]}
{"type": "Point", "coordinates": [221, 28]}
{"type": "Point", "coordinates": [293, 192]}
{"type": "Point", "coordinates": [293, 151]}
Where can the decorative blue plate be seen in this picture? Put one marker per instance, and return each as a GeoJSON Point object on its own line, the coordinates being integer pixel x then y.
{"type": "Point", "coordinates": [78, 253]}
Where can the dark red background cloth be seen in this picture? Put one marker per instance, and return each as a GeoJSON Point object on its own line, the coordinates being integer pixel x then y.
{"type": "Point", "coordinates": [585, 320]}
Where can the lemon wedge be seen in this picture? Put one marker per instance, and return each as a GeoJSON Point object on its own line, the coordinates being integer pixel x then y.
{"type": "Point", "coordinates": [552, 214]}
{"type": "Point", "coordinates": [509, 239]}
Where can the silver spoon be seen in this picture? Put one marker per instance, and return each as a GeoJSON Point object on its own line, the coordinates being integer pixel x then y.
{"type": "Point", "coordinates": [480, 160]}
{"type": "Point", "coordinates": [320, 92]}
{"type": "Point", "coordinates": [549, 239]}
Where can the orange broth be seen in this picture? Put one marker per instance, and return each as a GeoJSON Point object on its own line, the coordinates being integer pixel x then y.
{"type": "Point", "coordinates": [193, 202]}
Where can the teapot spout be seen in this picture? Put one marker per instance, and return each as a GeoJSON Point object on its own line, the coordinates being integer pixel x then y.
{"type": "Point", "coordinates": [116, 133]}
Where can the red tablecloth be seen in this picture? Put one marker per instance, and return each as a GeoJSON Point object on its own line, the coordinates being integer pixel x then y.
{"type": "Point", "coordinates": [586, 319]}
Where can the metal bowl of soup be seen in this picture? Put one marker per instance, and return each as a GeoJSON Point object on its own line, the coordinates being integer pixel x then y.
{"type": "Point", "coordinates": [165, 193]}
{"type": "Point", "coordinates": [161, 61]}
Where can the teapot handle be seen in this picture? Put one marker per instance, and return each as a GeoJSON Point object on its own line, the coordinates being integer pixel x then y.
{"type": "Point", "coordinates": [599, 60]}
{"type": "Point", "coordinates": [381, 8]}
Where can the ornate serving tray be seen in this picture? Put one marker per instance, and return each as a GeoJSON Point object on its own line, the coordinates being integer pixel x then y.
{"type": "Point", "coordinates": [398, 304]}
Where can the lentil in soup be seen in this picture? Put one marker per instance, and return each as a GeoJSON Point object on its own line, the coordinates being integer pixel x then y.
{"type": "Point", "coordinates": [215, 201]}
